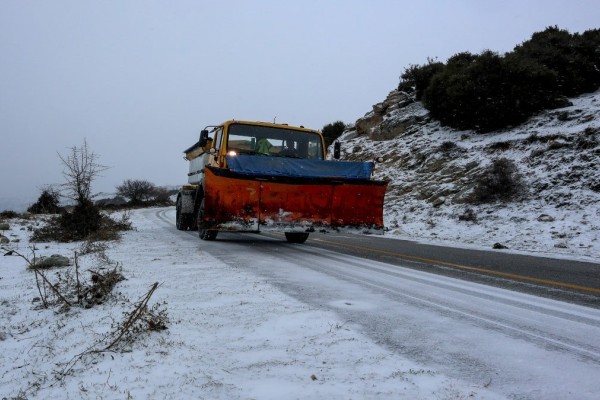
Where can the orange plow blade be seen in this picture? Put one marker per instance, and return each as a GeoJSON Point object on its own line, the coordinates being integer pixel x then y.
{"type": "Point", "coordinates": [242, 202]}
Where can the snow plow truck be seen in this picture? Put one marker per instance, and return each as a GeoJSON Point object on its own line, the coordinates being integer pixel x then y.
{"type": "Point", "coordinates": [258, 176]}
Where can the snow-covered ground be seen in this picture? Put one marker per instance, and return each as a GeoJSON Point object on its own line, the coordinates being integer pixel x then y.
{"type": "Point", "coordinates": [231, 334]}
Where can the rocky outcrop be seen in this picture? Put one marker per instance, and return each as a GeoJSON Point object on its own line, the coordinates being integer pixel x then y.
{"type": "Point", "coordinates": [393, 117]}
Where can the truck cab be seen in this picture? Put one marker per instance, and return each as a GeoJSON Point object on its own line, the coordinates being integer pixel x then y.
{"type": "Point", "coordinates": [234, 138]}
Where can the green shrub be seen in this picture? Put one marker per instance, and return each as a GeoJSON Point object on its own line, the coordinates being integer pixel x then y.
{"type": "Point", "coordinates": [487, 92]}
{"type": "Point", "coordinates": [573, 57]}
{"type": "Point", "coordinates": [7, 214]}
{"type": "Point", "coordinates": [47, 203]}
{"type": "Point", "coordinates": [498, 146]}
{"type": "Point", "coordinates": [416, 78]}
{"type": "Point", "coordinates": [447, 147]}
{"type": "Point", "coordinates": [500, 181]}
{"type": "Point", "coordinates": [468, 215]}
{"type": "Point", "coordinates": [83, 223]}
{"type": "Point", "coordinates": [332, 131]}
{"type": "Point", "coordinates": [83, 220]}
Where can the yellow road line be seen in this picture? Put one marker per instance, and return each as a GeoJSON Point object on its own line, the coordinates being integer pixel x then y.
{"type": "Point", "coordinates": [466, 267]}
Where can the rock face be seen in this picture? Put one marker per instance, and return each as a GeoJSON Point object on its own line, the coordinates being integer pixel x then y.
{"type": "Point", "coordinates": [390, 118]}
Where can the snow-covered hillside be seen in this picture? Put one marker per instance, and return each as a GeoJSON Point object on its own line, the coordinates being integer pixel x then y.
{"type": "Point", "coordinates": [432, 170]}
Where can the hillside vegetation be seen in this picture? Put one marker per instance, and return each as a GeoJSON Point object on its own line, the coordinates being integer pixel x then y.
{"type": "Point", "coordinates": [488, 91]}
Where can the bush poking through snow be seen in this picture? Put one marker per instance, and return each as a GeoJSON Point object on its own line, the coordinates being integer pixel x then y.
{"type": "Point", "coordinates": [8, 214]}
{"type": "Point", "coordinates": [102, 285]}
{"type": "Point", "coordinates": [68, 228]}
{"type": "Point", "coordinates": [468, 215]}
{"type": "Point", "coordinates": [499, 146]}
{"type": "Point", "coordinates": [93, 247]}
{"type": "Point", "coordinates": [84, 220]}
{"type": "Point", "coordinates": [49, 292]}
{"type": "Point", "coordinates": [67, 288]}
{"type": "Point", "coordinates": [500, 181]}
{"type": "Point", "coordinates": [447, 147]}
{"type": "Point", "coordinates": [47, 203]}
{"type": "Point", "coordinates": [141, 319]}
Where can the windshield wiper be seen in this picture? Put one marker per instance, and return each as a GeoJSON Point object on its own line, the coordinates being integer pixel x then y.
{"type": "Point", "coordinates": [289, 156]}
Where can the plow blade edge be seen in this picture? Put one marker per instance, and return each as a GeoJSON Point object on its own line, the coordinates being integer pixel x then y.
{"type": "Point", "coordinates": [242, 202]}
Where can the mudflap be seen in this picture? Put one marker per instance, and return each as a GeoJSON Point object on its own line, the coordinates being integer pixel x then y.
{"type": "Point", "coordinates": [241, 202]}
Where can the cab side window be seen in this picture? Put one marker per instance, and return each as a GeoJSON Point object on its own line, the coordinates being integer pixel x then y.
{"type": "Point", "coordinates": [218, 138]}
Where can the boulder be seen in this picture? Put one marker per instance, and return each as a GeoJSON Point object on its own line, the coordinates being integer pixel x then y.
{"type": "Point", "coordinates": [545, 218]}
{"type": "Point", "coordinates": [55, 260]}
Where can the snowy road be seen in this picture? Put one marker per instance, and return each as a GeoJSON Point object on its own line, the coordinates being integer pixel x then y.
{"type": "Point", "coordinates": [518, 345]}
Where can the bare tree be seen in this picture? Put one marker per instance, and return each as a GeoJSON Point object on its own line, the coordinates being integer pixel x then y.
{"type": "Point", "coordinates": [81, 167]}
{"type": "Point", "coordinates": [137, 190]}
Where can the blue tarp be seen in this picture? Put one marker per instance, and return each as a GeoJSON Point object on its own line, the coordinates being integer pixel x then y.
{"type": "Point", "coordinates": [301, 168]}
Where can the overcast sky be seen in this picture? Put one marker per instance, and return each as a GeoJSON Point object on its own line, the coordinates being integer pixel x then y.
{"type": "Point", "coordinates": [139, 79]}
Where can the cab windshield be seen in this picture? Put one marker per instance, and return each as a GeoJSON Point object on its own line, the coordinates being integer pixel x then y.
{"type": "Point", "coordinates": [275, 142]}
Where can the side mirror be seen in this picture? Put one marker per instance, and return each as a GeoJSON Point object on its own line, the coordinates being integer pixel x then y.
{"type": "Point", "coordinates": [337, 149]}
{"type": "Point", "coordinates": [203, 137]}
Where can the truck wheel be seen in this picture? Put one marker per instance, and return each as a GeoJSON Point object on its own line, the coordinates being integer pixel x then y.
{"type": "Point", "coordinates": [296, 237]}
{"type": "Point", "coordinates": [204, 234]}
{"type": "Point", "coordinates": [180, 218]}
{"type": "Point", "coordinates": [184, 221]}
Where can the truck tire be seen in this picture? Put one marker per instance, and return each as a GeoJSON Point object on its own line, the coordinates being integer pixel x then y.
{"type": "Point", "coordinates": [180, 218]}
{"type": "Point", "coordinates": [183, 221]}
{"type": "Point", "coordinates": [204, 234]}
{"type": "Point", "coordinates": [296, 237]}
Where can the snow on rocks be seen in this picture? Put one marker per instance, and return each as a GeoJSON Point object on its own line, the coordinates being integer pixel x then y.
{"type": "Point", "coordinates": [432, 172]}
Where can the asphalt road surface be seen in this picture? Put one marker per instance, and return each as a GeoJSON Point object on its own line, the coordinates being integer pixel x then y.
{"type": "Point", "coordinates": [561, 279]}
